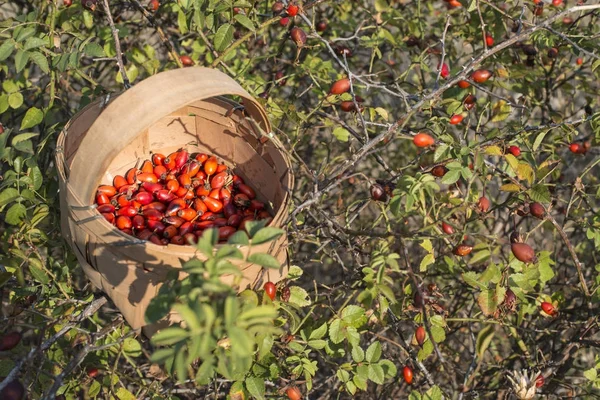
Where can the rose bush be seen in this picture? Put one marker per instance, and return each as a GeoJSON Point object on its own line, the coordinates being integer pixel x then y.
{"type": "Point", "coordinates": [445, 224]}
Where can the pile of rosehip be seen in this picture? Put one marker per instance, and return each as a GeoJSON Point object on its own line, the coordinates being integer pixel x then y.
{"type": "Point", "coordinates": [174, 198]}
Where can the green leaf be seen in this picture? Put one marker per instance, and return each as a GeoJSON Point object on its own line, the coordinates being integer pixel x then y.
{"type": "Point", "coordinates": [94, 389]}
{"type": "Point", "coordinates": [451, 177]}
{"type": "Point", "coordinates": [40, 60]}
{"type": "Point", "coordinates": [239, 238]}
{"type": "Point", "coordinates": [376, 373]}
{"type": "Point", "coordinates": [299, 297]}
{"type": "Point", "coordinates": [317, 344]}
{"type": "Point", "coordinates": [15, 214]}
{"type": "Point", "coordinates": [591, 374]}
{"type": "Point", "coordinates": [540, 193]}
{"type": "Point", "coordinates": [267, 234]}
{"type": "Point", "coordinates": [94, 50]}
{"type": "Point", "coordinates": [484, 338]}
{"type": "Point", "coordinates": [341, 134]}
{"type": "Point", "coordinates": [264, 260]}
{"type": "Point", "coordinates": [244, 21]}
{"type": "Point", "coordinates": [15, 100]}
{"type": "Point", "coordinates": [319, 332]}
{"type": "Point", "coordinates": [256, 387]}
{"type": "Point", "coordinates": [223, 37]}
{"type": "Point", "coordinates": [124, 394]}
{"type": "Point", "coordinates": [252, 227]}
{"type": "Point", "coordinates": [21, 59]}
{"type": "Point", "coordinates": [389, 368]}
{"type": "Point", "coordinates": [6, 49]}
{"type": "Point", "coordinates": [206, 371]}
{"type": "Point", "coordinates": [426, 261]}
{"type": "Point", "coordinates": [32, 117]}
{"type": "Point", "coordinates": [434, 393]}
{"type": "Point", "coordinates": [336, 333]}
{"type": "Point", "coordinates": [188, 315]}
{"type": "Point", "coordinates": [360, 382]}
{"type": "Point", "coordinates": [501, 111]}
{"type": "Point", "coordinates": [207, 241]}
{"type": "Point", "coordinates": [169, 336]}
{"type": "Point", "coordinates": [373, 353]}
{"type": "Point", "coordinates": [358, 354]}
{"type": "Point", "coordinates": [241, 344]}
{"type": "Point", "coordinates": [34, 42]}
{"type": "Point", "coordinates": [538, 139]}
{"type": "Point", "coordinates": [438, 334]}
{"type": "Point", "coordinates": [132, 347]}
{"type": "Point", "coordinates": [37, 271]}
{"type": "Point", "coordinates": [8, 195]}
{"type": "Point", "coordinates": [425, 351]}
{"type": "Point", "coordinates": [354, 315]}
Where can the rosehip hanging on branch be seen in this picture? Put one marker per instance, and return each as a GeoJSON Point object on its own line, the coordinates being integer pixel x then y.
{"type": "Point", "coordinates": [341, 86]}
{"type": "Point", "coordinates": [298, 36]}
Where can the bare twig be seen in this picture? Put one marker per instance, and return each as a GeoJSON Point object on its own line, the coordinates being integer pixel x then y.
{"type": "Point", "coordinates": [160, 32]}
{"type": "Point", "coordinates": [88, 312]}
{"type": "Point", "coordinates": [115, 34]}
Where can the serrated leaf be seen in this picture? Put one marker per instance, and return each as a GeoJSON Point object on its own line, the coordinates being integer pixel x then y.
{"type": "Point", "coordinates": [591, 374]}
{"type": "Point", "coordinates": [239, 238]}
{"type": "Point", "coordinates": [341, 134]}
{"type": "Point", "coordinates": [132, 347]}
{"type": "Point", "coordinates": [472, 279]}
{"type": "Point", "coordinates": [124, 394]}
{"type": "Point", "coordinates": [452, 176]}
{"type": "Point", "coordinates": [510, 187]}
{"type": "Point", "coordinates": [319, 332]}
{"type": "Point", "coordinates": [244, 21]}
{"type": "Point", "coordinates": [438, 333]}
{"type": "Point", "coordinates": [94, 389]}
{"type": "Point", "coordinates": [382, 113]}
{"type": "Point", "coordinates": [15, 100]}
{"type": "Point", "coordinates": [37, 271]}
{"type": "Point", "coordinates": [540, 193]}
{"type": "Point", "coordinates": [265, 235]}
{"type": "Point", "coordinates": [354, 315]}
{"type": "Point", "coordinates": [376, 373]}
{"type": "Point", "coordinates": [34, 42]}
{"type": "Point", "coordinates": [264, 260]}
{"type": "Point", "coordinates": [336, 333]}
{"type": "Point", "coordinates": [94, 50]}
{"type": "Point", "coordinates": [434, 393]}
{"type": "Point", "coordinates": [21, 59]}
{"type": "Point", "coordinates": [525, 172]}
{"type": "Point", "coordinates": [223, 37]}
{"type": "Point", "coordinates": [32, 117]}
{"type": "Point", "coordinates": [440, 151]}
{"type": "Point", "coordinates": [6, 49]}
{"type": "Point", "coordinates": [373, 353]}
{"type": "Point", "coordinates": [256, 387]}
{"type": "Point", "coordinates": [501, 111]}
{"type": "Point", "coordinates": [425, 351]}
{"type": "Point", "coordinates": [15, 214]}
{"type": "Point", "coordinates": [8, 195]}
{"type": "Point", "coordinates": [40, 60]}
{"type": "Point", "coordinates": [358, 354]}
{"type": "Point", "coordinates": [299, 296]}
{"type": "Point", "coordinates": [426, 261]}
{"type": "Point", "coordinates": [493, 151]}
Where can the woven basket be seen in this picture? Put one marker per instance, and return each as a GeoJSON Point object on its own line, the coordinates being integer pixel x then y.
{"type": "Point", "coordinates": [190, 108]}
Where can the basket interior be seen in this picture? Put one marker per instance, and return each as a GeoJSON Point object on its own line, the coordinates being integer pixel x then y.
{"type": "Point", "coordinates": [214, 126]}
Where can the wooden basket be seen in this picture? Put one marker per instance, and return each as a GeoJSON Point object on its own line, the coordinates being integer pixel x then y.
{"type": "Point", "coordinates": [179, 108]}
